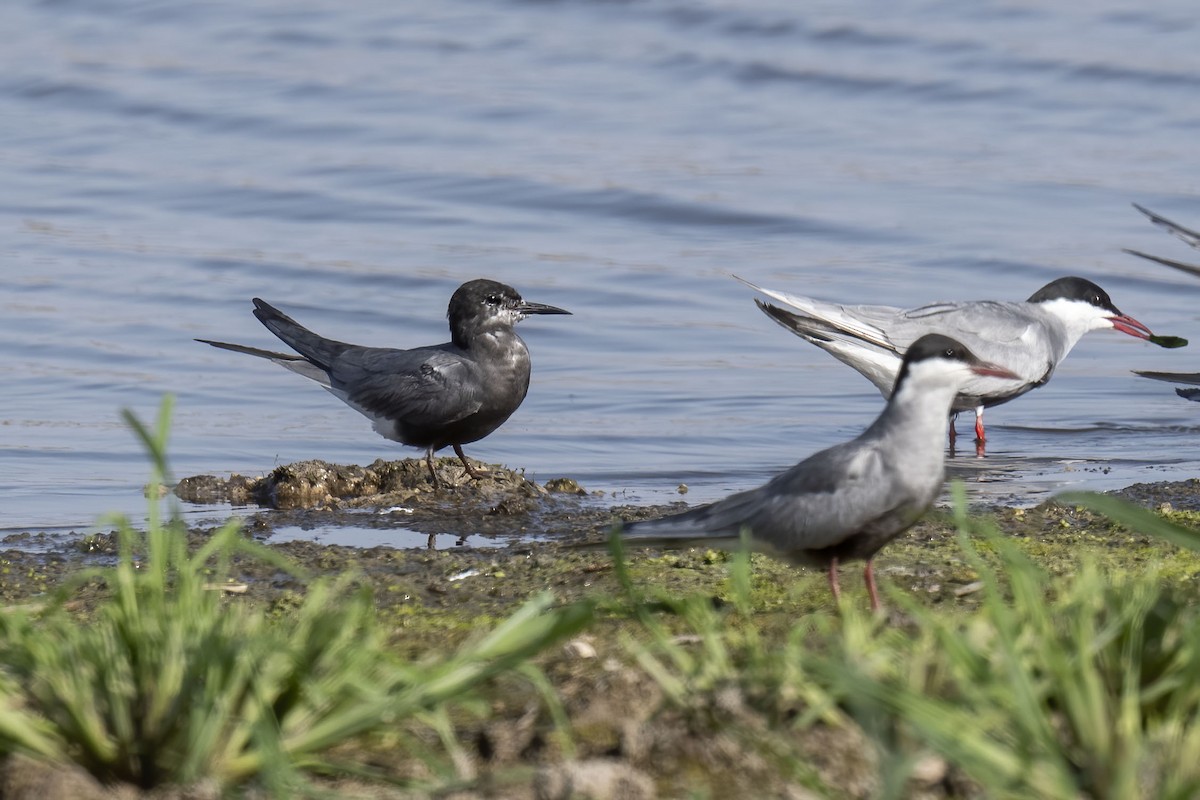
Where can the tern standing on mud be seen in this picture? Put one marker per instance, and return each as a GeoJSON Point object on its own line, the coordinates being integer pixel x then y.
{"type": "Point", "coordinates": [848, 501]}
{"type": "Point", "coordinates": [1027, 339]}
{"type": "Point", "coordinates": [432, 397]}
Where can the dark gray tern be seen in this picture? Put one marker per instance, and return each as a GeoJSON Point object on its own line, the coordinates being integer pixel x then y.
{"type": "Point", "coordinates": [848, 501]}
{"type": "Point", "coordinates": [1028, 339]}
{"type": "Point", "coordinates": [432, 397]}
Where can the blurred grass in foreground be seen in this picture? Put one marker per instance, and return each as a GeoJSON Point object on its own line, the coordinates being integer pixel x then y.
{"type": "Point", "coordinates": [1086, 685]}
{"type": "Point", "coordinates": [169, 683]}
{"type": "Point", "coordinates": [1083, 686]}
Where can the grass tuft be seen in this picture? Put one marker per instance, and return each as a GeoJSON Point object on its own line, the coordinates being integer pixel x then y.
{"type": "Point", "coordinates": [171, 683]}
{"type": "Point", "coordinates": [1050, 687]}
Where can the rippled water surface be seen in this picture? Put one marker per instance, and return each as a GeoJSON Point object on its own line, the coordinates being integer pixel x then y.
{"type": "Point", "coordinates": [162, 163]}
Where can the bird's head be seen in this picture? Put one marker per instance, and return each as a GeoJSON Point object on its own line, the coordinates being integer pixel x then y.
{"type": "Point", "coordinates": [935, 361]}
{"type": "Point", "coordinates": [481, 306]}
{"type": "Point", "coordinates": [1084, 306]}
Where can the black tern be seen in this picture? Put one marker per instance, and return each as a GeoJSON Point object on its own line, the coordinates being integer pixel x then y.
{"type": "Point", "coordinates": [432, 397]}
{"type": "Point", "coordinates": [1027, 339]}
{"type": "Point", "coordinates": [848, 501]}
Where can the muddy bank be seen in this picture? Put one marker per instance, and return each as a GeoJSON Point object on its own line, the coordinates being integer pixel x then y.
{"type": "Point", "coordinates": [389, 494]}
{"type": "Point", "coordinates": [625, 741]}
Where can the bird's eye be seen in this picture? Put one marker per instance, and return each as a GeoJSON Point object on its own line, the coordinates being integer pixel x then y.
{"type": "Point", "coordinates": [492, 300]}
{"type": "Point", "coordinates": [950, 352]}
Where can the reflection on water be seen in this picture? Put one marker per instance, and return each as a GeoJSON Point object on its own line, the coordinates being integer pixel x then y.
{"type": "Point", "coordinates": [400, 538]}
{"type": "Point", "coordinates": [354, 163]}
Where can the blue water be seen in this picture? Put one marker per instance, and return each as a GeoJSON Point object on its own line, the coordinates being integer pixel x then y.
{"type": "Point", "coordinates": [162, 163]}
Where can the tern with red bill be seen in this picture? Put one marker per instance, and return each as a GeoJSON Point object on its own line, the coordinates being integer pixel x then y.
{"type": "Point", "coordinates": [1028, 339]}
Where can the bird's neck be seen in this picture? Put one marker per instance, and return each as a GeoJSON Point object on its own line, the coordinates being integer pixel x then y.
{"type": "Point", "coordinates": [1069, 322]}
{"type": "Point", "coordinates": [1072, 332]}
{"type": "Point", "coordinates": [492, 340]}
{"type": "Point", "coordinates": [917, 417]}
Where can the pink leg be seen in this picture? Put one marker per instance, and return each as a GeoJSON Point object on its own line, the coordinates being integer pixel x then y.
{"type": "Point", "coordinates": [869, 576]}
{"type": "Point", "coordinates": [979, 435]}
{"type": "Point", "coordinates": [833, 580]}
{"type": "Point", "coordinates": [953, 433]}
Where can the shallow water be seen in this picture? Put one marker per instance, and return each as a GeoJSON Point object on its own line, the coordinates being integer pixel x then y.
{"type": "Point", "coordinates": [353, 163]}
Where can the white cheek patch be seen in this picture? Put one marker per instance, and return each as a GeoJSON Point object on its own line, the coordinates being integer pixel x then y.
{"type": "Point", "coordinates": [1078, 314]}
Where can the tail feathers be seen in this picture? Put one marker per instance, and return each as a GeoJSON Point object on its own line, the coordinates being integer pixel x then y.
{"type": "Point", "coordinates": [810, 307]}
{"type": "Point", "coordinates": [848, 321]}
{"type": "Point", "coordinates": [312, 346]}
{"type": "Point", "coordinates": [666, 541]}
{"type": "Point", "coordinates": [253, 351]}
{"type": "Point", "coordinates": [676, 532]}
{"type": "Point", "coordinates": [809, 328]}
{"type": "Point", "coordinates": [878, 363]}
{"type": "Point", "coordinates": [819, 330]}
{"type": "Point", "coordinates": [295, 363]}
{"type": "Point", "coordinates": [833, 320]}
{"type": "Point", "coordinates": [688, 529]}
{"type": "Point", "coordinates": [680, 541]}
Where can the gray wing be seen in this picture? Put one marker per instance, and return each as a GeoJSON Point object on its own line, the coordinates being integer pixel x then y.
{"type": "Point", "coordinates": [1001, 323]}
{"type": "Point", "coordinates": [297, 364]}
{"type": "Point", "coordinates": [896, 329]}
{"type": "Point", "coordinates": [425, 386]}
{"type": "Point", "coordinates": [1018, 336]}
{"type": "Point", "coordinates": [825, 499]}
{"type": "Point", "coordinates": [872, 338]}
{"type": "Point", "coordinates": [892, 330]}
{"type": "Point", "coordinates": [816, 504]}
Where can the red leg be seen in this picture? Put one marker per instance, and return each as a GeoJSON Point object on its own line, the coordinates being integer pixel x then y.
{"type": "Point", "coordinates": [953, 433]}
{"type": "Point", "coordinates": [869, 576]}
{"type": "Point", "coordinates": [980, 436]}
{"type": "Point", "coordinates": [833, 580]}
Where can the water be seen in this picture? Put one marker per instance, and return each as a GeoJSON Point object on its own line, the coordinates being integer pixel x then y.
{"type": "Point", "coordinates": [163, 163]}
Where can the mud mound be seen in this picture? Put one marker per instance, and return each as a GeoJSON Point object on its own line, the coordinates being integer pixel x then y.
{"type": "Point", "coordinates": [315, 484]}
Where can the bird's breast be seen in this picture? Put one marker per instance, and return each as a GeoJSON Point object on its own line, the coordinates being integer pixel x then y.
{"type": "Point", "coordinates": [503, 357]}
